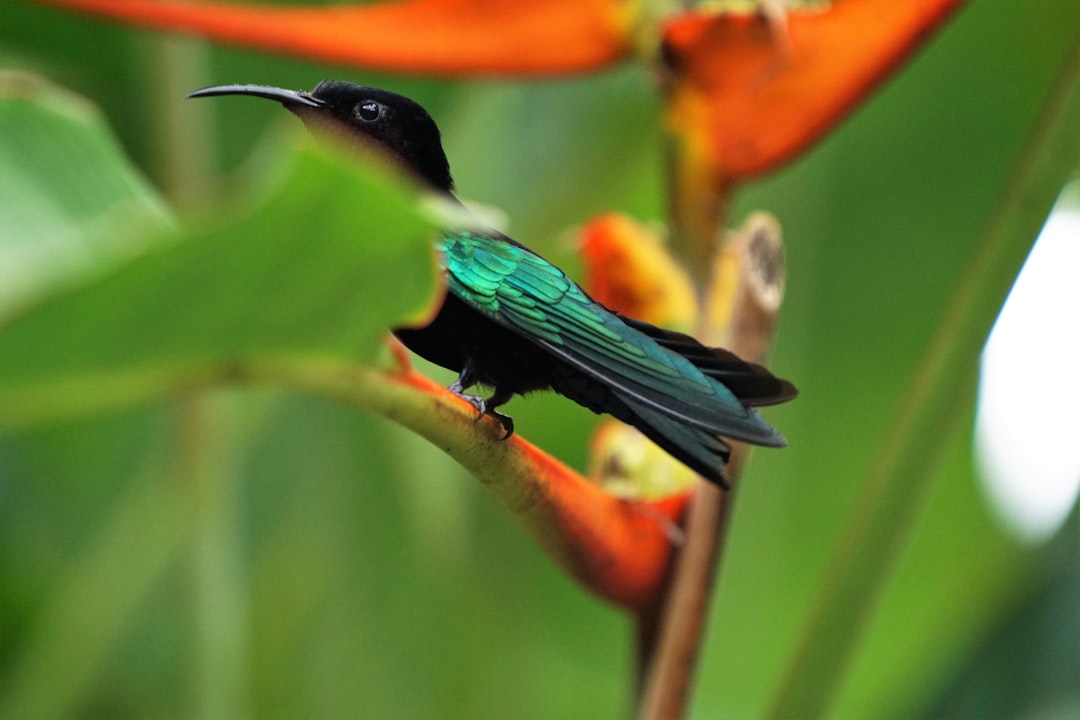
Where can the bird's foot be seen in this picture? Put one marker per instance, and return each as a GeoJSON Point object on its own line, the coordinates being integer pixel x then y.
{"type": "Point", "coordinates": [484, 407]}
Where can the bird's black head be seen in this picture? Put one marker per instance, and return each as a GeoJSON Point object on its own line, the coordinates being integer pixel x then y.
{"type": "Point", "coordinates": [362, 114]}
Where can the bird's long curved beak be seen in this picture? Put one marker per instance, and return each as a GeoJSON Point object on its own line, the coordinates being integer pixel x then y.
{"type": "Point", "coordinates": [285, 97]}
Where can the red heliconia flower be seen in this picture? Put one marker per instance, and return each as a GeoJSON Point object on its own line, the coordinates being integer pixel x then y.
{"type": "Point", "coordinates": [744, 94]}
{"type": "Point", "coordinates": [747, 92]}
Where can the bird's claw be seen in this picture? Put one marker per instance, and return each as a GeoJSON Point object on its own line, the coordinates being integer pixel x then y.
{"type": "Point", "coordinates": [482, 408]}
{"type": "Point", "coordinates": [506, 421]}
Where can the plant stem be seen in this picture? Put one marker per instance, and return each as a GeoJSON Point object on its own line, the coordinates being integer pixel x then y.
{"type": "Point", "coordinates": [201, 432]}
{"type": "Point", "coordinates": [670, 635]}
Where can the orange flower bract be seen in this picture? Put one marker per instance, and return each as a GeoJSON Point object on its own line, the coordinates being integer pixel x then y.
{"type": "Point", "coordinates": [754, 93]}
{"type": "Point", "coordinates": [630, 271]}
{"type": "Point", "coordinates": [435, 37]}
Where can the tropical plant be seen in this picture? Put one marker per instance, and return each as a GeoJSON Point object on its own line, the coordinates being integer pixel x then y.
{"type": "Point", "coordinates": [197, 521]}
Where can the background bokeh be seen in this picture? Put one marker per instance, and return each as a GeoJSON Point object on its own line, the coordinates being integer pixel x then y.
{"type": "Point", "coordinates": [318, 562]}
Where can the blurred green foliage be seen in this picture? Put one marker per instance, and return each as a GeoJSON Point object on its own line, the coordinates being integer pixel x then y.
{"type": "Point", "coordinates": [248, 552]}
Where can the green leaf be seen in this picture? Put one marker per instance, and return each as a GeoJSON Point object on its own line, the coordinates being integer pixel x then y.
{"type": "Point", "coordinates": [889, 505]}
{"type": "Point", "coordinates": [319, 267]}
{"type": "Point", "coordinates": [72, 204]}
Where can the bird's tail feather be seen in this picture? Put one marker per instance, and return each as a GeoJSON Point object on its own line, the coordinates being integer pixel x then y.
{"type": "Point", "coordinates": [751, 383]}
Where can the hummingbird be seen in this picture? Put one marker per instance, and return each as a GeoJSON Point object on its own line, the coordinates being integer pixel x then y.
{"type": "Point", "coordinates": [514, 322]}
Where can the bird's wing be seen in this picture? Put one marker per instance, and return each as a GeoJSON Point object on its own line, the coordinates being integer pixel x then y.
{"type": "Point", "coordinates": [523, 292]}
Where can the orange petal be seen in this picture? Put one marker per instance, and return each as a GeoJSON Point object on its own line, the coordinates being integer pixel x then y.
{"type": "Point", "coordinates": [628, 269]}
{"type": "Point", "coordinates": [753, 93]}
{"type": "Point", "coordinates": [438, 37]}
{"type": "Point", "coordinates": [617, 548]}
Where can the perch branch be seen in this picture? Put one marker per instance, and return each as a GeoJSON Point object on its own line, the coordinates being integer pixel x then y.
{"type": "Point", "coordinates": [618, 548]}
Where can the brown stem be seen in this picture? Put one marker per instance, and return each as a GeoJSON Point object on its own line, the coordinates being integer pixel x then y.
{"type": "Point", "coordinates": [670, 633]}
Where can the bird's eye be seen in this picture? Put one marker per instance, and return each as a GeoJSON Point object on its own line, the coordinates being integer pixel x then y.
{"type": "Point", "coordinates": [368, 111]}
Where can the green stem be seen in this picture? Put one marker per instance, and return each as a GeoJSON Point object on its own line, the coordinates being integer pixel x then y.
{"type": "Point", "coordinates": [202, 432]}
